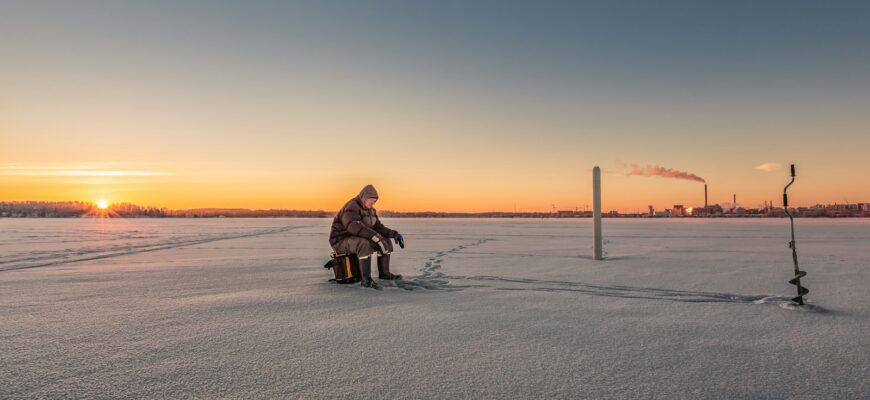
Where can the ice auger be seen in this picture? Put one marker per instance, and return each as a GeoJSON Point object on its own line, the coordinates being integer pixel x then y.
{"type": "Point", "coordinates": [798, 274]}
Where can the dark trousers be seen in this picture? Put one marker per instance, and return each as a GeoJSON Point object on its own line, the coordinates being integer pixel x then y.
{"type": "Point", "coordinates": [360, 246]}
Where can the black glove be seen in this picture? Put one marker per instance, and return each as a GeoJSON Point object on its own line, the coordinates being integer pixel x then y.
{"type": "Point", "coordinates": [379, 240]}
{"type": "Point", "coordinates": [399, 239]}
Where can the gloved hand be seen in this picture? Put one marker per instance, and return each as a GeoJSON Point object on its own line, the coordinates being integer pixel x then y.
{"type": "Point", "coordinates": [399, 239]}
{"type": "Point", "coordinates": [379, 240]}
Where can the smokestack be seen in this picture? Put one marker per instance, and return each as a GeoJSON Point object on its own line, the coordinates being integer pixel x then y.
{"type": "Point", "coordinates": [734, 203]}
{"type": "Point", "coordinates": [705, 195]}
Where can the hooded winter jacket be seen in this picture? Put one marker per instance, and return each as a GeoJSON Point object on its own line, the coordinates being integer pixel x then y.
{"type": "Point", "coordinates": [355, 220]}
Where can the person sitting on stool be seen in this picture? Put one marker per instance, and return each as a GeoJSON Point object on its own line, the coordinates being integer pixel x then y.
{"type": "Point", "coordinates": [357, 229]}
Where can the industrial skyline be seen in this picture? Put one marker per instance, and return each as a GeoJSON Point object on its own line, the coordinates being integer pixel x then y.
{"type": "Point", "coordinates": [79, 209]}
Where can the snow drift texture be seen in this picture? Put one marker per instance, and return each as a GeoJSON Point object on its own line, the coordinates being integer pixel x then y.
{"type": "Point", "coordinates": [500, 309]}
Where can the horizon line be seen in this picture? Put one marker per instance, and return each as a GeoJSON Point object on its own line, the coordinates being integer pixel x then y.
{"type": "Point", "coordinates": [556, 211]}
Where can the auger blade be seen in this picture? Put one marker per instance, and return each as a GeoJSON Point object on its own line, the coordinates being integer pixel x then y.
{"type": "Point", "coordinates": [796, 279]}
{"type": "Point", "coordinates": [802, 290]}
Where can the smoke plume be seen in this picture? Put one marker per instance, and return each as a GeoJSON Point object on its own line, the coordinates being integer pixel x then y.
{"type": "Point", "coordinates": [656, 170]}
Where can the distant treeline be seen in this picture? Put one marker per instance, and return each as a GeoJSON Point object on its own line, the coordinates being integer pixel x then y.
{"type": "Point", "coordinates": [79, 209]}
{"type": "Point", "coordinates": [246, 213]}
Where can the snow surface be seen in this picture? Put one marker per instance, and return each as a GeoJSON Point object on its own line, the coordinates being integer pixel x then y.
{"type": "Point", "coordinates": [241, 308]}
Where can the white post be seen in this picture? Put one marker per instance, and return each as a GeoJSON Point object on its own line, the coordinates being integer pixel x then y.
{"type": "Point", "coordinates": [596, 216]}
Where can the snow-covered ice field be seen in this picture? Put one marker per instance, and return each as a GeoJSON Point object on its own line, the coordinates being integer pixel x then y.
{"type": "Point", "coordinates": [241, 308]}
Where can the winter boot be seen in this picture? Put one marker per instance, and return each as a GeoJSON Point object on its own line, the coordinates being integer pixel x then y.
{"type": "Point", "coordinates": [384, 268]}
{"type": "Point", "coordinates": [365, 267]}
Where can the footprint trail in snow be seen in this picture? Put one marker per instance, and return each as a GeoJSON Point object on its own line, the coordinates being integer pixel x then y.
{"type": "Point", "coordinates": [434, 278]}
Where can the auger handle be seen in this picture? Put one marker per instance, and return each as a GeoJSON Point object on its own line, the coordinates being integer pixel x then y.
{"type": "Point", "coordinates": [784, 191]}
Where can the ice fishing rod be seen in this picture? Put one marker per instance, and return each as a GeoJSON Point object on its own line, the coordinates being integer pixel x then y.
{"type": "Point", "coordinates": [798, 274]}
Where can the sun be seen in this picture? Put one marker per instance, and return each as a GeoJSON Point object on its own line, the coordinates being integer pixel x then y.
{"type": "Point", "coordinates": [102, 204]}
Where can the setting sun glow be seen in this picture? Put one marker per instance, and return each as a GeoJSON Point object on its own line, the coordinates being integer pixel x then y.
{"type": "Point", "coordinates": [102, 204]}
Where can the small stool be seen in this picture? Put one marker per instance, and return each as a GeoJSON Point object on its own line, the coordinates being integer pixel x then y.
{"type": "Point", "coordinates": [345, 267]}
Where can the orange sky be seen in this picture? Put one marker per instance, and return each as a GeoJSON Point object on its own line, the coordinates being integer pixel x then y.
{"type": "Point", "coordinates": [441, 190]}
